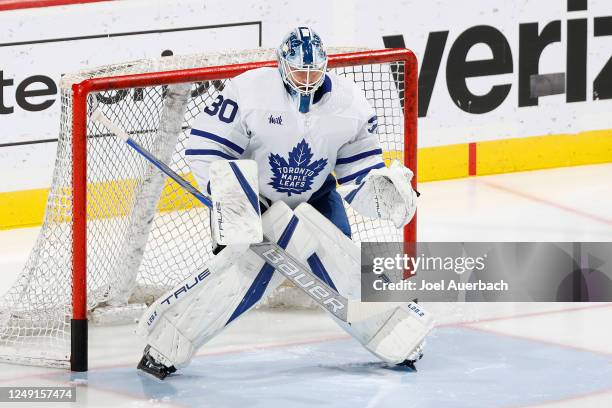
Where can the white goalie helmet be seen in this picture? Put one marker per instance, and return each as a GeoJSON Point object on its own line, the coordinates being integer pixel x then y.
{"type": "Point", "coordinates": [302, 61]}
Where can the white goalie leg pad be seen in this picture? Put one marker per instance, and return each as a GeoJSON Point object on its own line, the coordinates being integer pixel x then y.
{"type": "Point", "coordinates": [183, 319]}
{"type": "Point", "coordinates": [317, 238]}
{"type": "Point", "coordinates": [395, 335]}
{"type": "Point", "coordinates": [200, 302]}
{"type": "Point", "coordinates": [391, 331]}
{"type": "Point", "coordinates": [236, 216]}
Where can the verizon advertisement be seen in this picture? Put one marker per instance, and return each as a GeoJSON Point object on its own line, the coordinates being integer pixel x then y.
{"type": "Point", "coordinates": [489, 69]}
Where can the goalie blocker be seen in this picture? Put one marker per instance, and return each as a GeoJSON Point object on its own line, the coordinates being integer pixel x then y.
{"type": "Point", "coordinates": [235, 216]}
{"type": "Point", "coordinates": [236, 279]}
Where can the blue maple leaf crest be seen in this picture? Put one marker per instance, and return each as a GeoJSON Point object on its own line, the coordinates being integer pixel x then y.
{"type": "Point", "coordinates": [295, 176]}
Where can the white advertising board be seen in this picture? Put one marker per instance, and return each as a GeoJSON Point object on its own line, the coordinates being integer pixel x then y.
{"type": "Point", "coordinates": [478, 59]}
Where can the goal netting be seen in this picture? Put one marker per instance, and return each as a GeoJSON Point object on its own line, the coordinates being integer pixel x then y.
{"type": "Point", "coordinates": [144, 233]}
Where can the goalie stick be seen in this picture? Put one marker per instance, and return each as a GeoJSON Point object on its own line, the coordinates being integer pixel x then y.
{"type": "Point", "coordinates": [269, 251]}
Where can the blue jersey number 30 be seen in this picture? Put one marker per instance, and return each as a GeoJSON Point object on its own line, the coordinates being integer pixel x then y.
{"type": "Point", "coordinates": [220, 105]}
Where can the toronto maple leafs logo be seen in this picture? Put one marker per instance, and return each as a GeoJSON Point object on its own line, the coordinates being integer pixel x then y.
{"type": "Point", "coordinates": [296, 175]}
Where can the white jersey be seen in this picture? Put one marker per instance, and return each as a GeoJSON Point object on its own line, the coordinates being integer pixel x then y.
{"type": "Point", "coordinates": [254, 117]}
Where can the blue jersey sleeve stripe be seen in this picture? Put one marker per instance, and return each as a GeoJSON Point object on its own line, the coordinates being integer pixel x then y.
{"type": "Point", "coordinates": [208, 152]}
{"type": "Point", "coordinates": [362, 155]}
{"type": "Point", "coordinates": [218, 139]}
{"type": "Point", "coordinates": [360, 172]}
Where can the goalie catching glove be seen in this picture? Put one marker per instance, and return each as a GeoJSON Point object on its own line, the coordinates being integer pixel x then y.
{"type": "Point", "coordinates": [386, 193]}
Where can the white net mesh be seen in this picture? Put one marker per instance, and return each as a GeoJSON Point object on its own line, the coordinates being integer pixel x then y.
{"type": "Point", "coordinates": [144, 233]}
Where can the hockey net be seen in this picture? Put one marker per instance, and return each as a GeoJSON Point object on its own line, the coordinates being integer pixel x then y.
{"type": "Point", "coordinates": [115, 225]}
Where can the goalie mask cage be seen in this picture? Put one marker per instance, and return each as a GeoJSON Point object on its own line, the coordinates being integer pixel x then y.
{"type": "Point", "coordinates": [116, 232]}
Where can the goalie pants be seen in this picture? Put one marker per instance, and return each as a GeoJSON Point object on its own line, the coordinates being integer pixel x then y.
{"type": "Point", "coordinates": [328, 202]}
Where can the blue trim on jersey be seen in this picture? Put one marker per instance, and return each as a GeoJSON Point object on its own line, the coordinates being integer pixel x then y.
{"type": "Point", "coordinates": [208, 188]}
{"type": "Point", "coordinates": [316, 266]}
{"type": "Point", "coordinates": [325, 87]}
{"type": "Point", "coordinates": [350, 196]}
{"type": "Point", "coordinates": [246, 187]}
{"type": "Point", "coordinates": [218, 139]}
{"type": "Point", "coordinates": [208, 152]}
{"type": "Point", "coordinates": [359, 156]}
{"type": "Point", "coordinates": [360, 172]}
{"type": "Point", "coordinates": [259, 285]}
{"type": "Point", "coordinates": [304, 103]}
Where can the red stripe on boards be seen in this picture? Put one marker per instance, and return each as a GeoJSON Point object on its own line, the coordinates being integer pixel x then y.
{"type": "Point", "coordinates": [25, 4]}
